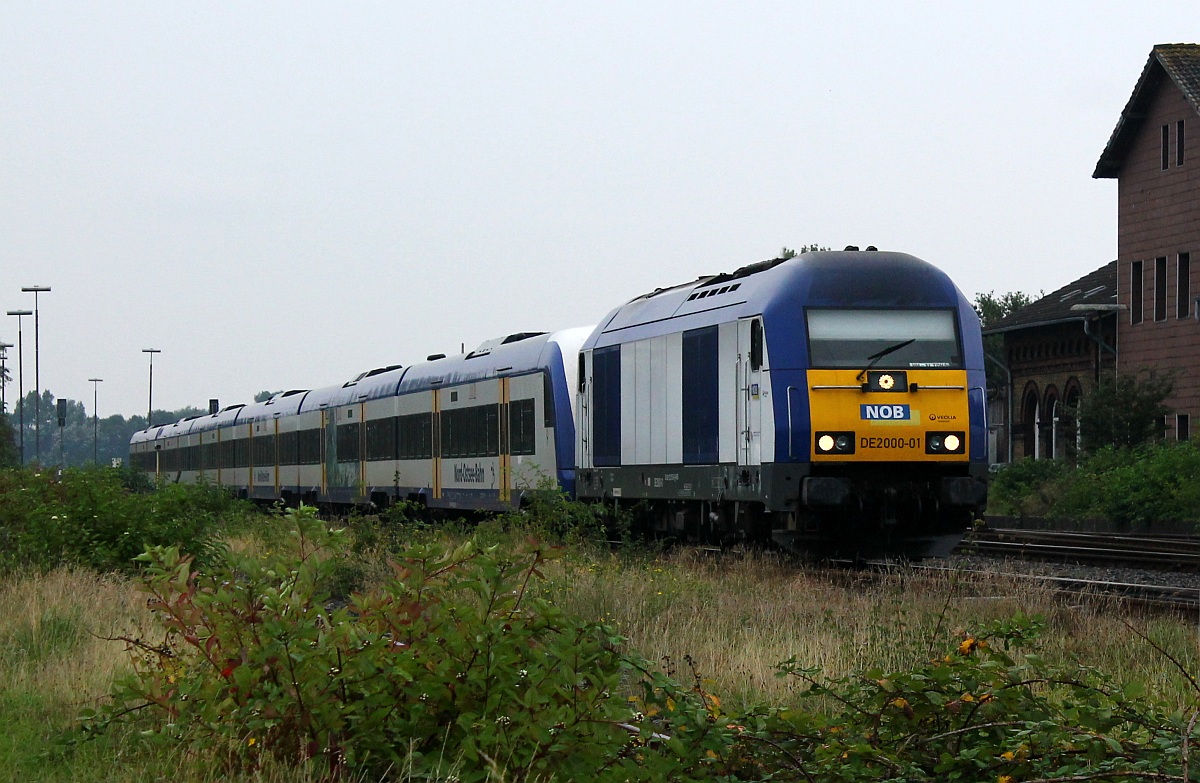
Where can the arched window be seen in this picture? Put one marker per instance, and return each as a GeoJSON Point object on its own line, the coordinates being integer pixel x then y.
{"type": "Point", "coordinates": [1029, 420]}
{"type": "Point", "coordinates": [1070, 417]}
{"type": "Point", "coordinates": [1051, 413]}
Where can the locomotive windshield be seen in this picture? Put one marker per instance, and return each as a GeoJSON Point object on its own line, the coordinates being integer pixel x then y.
{"type": "Point", "coordinates": [895, 339]}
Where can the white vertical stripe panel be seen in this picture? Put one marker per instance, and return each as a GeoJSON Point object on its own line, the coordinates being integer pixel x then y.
{"type": "Point", "coordinates": [628, 398]}
{"type": "Point", "coordinates": [658, 401]}
{"type": "Point", "coordinates": [768, 415]}
{"type": "Point", "coordinates": [727, 391]}
{"type": "Point", "coordinates": [643, 428]}
{"type": "Point", "coordinates": [674, 397]}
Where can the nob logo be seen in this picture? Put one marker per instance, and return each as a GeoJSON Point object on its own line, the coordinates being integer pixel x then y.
{"type": "Point", "coordinates": [884, 412]}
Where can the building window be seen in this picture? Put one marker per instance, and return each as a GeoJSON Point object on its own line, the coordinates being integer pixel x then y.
{"type": "Point", "coordinates": [1166, 147]}
{"type": "Point", "coordinates": [1183, 286]}
{"type": "Point", "coordinates": [1183, 426]}
{"type": "Point", "coordinates": [1160, 288]}
{"type": "Point", "coordinates": [1135, 292]}
{"type": "Point", "coordinates": [1179, 143]}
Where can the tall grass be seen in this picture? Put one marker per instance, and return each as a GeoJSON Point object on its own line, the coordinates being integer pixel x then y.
{"type": "Point", "coordinates": [729, 620]}
{"type": "Point", "coordinates": [736, 618]}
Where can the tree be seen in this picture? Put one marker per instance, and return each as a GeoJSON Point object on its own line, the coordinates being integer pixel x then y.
{"type": "Point", "coordinates": [8, 443]}
{"type": "Point", "coordinates": [1125, 411]}
{"type": "Point", "coordinates": [264, 395]}
{"type": "Point", "coordinates": [787, 252]}
{"type": "Point", "coordinates": [992, 308]}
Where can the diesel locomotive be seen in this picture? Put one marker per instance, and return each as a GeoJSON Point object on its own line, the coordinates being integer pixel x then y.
{"type": "Point", "coordinates": [833, 396]}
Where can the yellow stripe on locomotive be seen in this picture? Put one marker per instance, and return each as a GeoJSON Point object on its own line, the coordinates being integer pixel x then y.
{"type": "Point", "coordinates": [916, 415]}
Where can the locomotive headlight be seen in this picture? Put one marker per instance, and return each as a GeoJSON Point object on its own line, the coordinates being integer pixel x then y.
{"type": "Point", "coordinates": [834, 442]}
{"type": "Point", "coordinates": [944, 442]}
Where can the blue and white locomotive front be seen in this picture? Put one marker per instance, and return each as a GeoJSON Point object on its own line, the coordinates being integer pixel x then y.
{"type": "Point", "coordinates": [711, 403]}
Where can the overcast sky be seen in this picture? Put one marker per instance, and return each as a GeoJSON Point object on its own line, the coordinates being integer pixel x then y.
{"type": "Point", "coordinates": [282, 195]}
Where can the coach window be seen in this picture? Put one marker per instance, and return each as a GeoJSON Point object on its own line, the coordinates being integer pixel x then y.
{"type": "Point", "coordinates": [521, 427]}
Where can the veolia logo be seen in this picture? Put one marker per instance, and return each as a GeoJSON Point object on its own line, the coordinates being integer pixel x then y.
{"type": "Point", "coordinates": [884, 412]}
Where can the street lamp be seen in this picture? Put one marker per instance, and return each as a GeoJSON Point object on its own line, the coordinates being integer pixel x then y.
{"type": "Point", "coordinates": [150, 407]}
{"type": "Point", "coordinates": [4, 374]}
{"type": "Point", "coordinates": [20, 314]}
{"type": "Point", "coordinates": [95, 417]}
{"type": "Point", "coordinates": [37, 379]}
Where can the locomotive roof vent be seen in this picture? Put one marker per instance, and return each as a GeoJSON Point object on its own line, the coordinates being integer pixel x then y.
{"type": "Point", "coordinates": [433, 357]}
{"type": "Point", "coordinates": [714, 291]}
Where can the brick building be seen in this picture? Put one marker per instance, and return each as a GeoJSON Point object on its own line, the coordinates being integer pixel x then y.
{"type": "Point", "coordinates": [1139, 312]}
{"type": "Point", "coordinates": [1055, 350]}
{"type": "Point", "coordinates": [1158, 225]}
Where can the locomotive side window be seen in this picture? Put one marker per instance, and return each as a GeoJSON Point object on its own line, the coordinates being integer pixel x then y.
{"type": "Point", "coordinates": [756, 345]}
{"type": "Point", "coordinates": [910, 338]}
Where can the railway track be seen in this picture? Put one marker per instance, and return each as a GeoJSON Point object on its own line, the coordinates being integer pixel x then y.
{"type": "Point", "coordinates": [1183, 599]}
{"type": "Point", "coordinates": [1160, 553]}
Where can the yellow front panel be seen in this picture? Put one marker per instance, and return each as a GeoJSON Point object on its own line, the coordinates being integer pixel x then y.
{"type": "Point", "coordinates": [892, 426]}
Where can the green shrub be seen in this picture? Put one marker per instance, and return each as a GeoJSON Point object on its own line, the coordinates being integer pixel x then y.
{"type": "Point", "coordinates": [451, 665]}
{"type": "Point", "coordinates": [89, 517]}
{"type": "Point", "coordinates": [1019, 488]}
{"type": "Point", "coordinates": [990, 710]}
{"type": "Point", "coordinates": [1133, 487]}
{"type": "Point", "coordinates": [455, 669]}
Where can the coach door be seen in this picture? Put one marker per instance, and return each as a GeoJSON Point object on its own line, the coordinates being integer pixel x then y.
{"type": "Point", "coordinates": [749, 391]}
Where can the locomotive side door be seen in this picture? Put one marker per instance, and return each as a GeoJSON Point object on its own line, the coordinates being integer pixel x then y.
{"type": "Point", "coordinates": [750, 391]}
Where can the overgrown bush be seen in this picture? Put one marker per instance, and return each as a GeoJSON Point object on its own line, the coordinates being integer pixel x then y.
{"type": "Point", "coordinates": [1020, 488]}
{"type": "Point", "coordinates": [1155, 483]}
{"type": "Point", "coordinates": [455, 669]}
{"type": "Point", "coordinates": [89, 517]}
{"type": "Point", "coordinates": [451, 666]}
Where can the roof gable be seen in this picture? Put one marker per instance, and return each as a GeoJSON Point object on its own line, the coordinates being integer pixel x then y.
{"type": "Point", "coordinates": [1095, 288]}
{"type": "Point", "coordinates": [1178, 63]}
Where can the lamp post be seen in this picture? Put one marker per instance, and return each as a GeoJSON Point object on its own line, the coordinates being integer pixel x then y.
{"type": "Point", "coordinates": [37, 378]}
{"type": "Point", "coordinates": [4, 374]}
{"type": "Point", "coordinates": [95, 418]}
{"type": "Point", "coordinates": [150, 406]}
{"type": "Point", "coordinates": [20, 314]}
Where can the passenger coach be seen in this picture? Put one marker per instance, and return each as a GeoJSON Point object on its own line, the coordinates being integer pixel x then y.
{"type": "Point", "coordinates": [469, 431]}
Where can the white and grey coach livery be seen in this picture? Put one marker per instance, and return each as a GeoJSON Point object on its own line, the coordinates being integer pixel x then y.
{"type": "Point", "coordinates": [469, 431]}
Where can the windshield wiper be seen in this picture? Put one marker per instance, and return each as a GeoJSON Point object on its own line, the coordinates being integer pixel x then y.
{"type": "Point", "coordinates": [874, 358]}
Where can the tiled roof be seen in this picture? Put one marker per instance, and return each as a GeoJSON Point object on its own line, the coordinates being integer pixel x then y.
{"type": "Point", "coordinates": [1095, 288]}
{"type": "Point", "coordinates": [1178, 62]}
